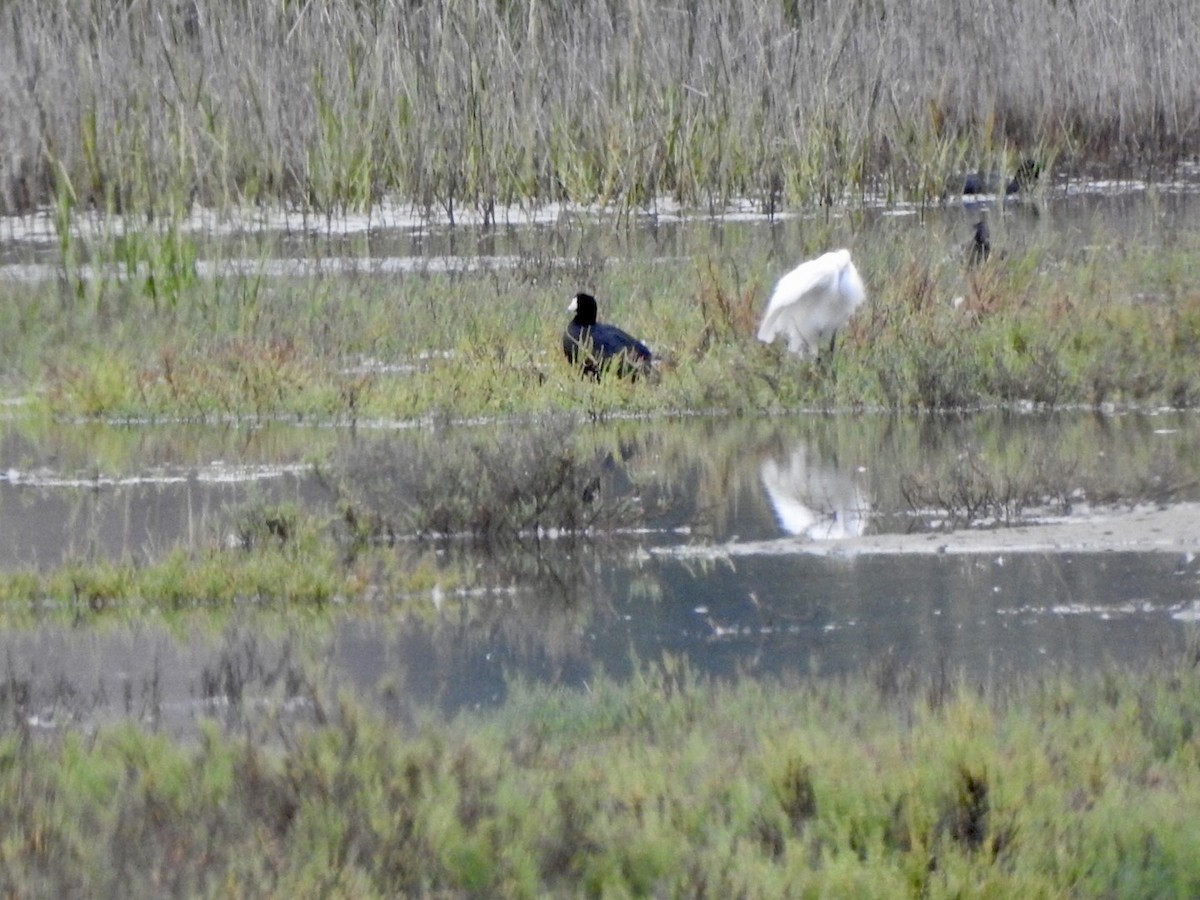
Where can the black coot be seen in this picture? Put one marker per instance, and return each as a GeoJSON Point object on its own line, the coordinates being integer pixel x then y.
{"type": "Point", "coordinates": [980, 247]}
{"type": "Point", "coordinates": [596, 348]}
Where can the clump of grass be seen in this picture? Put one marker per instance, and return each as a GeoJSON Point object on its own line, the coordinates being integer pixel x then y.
{"type": "Point", "coordinates": [499, 490]}
{"type": "Point", "coordinates": [728, 313]}
{"type": "Point", "coordinates": [668, 783]}
{"type": "Point", "coordinates": [1023, 333]}
{"type": "Point", "coordinates": [273, 557]}
{"type": "Point", "coordinates": [1043, 325]}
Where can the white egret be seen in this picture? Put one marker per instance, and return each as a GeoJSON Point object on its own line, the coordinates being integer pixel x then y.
{"type": "Point", "coordinates": [811, 302]}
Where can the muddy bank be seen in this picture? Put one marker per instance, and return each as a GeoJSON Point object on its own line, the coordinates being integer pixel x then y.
{"type": "Point", "coordinates": [1141, 529]}
{"type": "Point", "coordinates": [1144, 529]}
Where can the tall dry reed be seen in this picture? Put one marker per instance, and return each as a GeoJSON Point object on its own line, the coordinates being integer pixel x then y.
{"type": "Point", "coordinates": [152, 105]}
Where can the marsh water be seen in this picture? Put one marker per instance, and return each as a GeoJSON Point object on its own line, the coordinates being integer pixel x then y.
{"type": "Point", "coordinates": [742, 544]}
{"type": "Point", "coordinates": [723, 549]}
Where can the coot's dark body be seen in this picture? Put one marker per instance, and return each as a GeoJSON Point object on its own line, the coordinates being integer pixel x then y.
{"type": "Point", "coordinates": [595, 348]}
{"type": "Point", "coordinates": [980, 247]}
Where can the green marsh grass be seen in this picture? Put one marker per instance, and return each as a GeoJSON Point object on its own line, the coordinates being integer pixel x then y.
{"type": "Point", "coordinates": [668, 783]}
{"type": "Point", "coordinates": [149, 107]}
{"type": "Point", "coordinates": [1045, 323]}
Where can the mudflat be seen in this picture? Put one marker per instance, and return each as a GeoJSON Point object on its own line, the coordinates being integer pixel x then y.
{"type": "Point", "coordinates": [1172, 528]}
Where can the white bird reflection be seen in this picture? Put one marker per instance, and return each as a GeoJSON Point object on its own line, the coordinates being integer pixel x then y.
{"type": "Point", "coordinates": [813, 499]}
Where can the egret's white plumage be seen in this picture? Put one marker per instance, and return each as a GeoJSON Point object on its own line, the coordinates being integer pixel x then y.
{"type": "Point", "coordinates": [811, 302]}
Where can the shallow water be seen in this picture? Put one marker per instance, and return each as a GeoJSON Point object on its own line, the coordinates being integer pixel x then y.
{"type": "Point", "coordinates": [727, 549]}
{"type": "Point", "coordinates": [1073, 215]}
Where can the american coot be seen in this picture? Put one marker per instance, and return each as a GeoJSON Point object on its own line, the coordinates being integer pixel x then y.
{"type": "Point", "coordinates": [980, 247]}
{"type": "Point", "coordinates": [595, 348]}
{"type": "Point", "coordinates": [812, 302]}
{"type": "Point", "coordinates": [992, 183]}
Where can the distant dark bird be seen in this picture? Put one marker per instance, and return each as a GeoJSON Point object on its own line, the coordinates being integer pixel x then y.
{"type": "Point", "coordinates": [992, 182]}
{"type": "Point", "coordinates": [1028, 172]}
{"type": "Point", "coordinates": [988, 183]}
{"type": "Point", "coordinates": [811, 302]}
{"type": "Point", "coordinates": [595, 348]}
{"type": "Point", "coordinates": [980, 247]}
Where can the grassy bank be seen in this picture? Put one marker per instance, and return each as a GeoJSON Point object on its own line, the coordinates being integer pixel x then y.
{"type": "Point", "coordinates": [151, 106]}
{"type": "Point", "coordinates": [875, 786]}
{"type": "Point", "coordinates": [1046, 323]}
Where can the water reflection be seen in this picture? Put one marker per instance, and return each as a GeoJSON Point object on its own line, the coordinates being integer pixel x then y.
{"type": "Point", "coordinates": [690, 548]}
{"type": "Point", "coordinates": [814, 500]}
{"type": "Point", "coordinates": [97, 492]}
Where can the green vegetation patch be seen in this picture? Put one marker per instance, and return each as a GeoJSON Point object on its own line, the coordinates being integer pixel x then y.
{"type": "Point", "coordinates": [668, 784]}
{"type": "Point", "coordinates": [1042, 323]}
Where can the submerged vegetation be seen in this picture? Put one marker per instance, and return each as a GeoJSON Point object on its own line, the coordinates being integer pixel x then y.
{"type": "Point", "coordinates": [387, 520]}
{"type": "Point", "coordinates": [880, 786]}
{"type": "Point", "coordinates": [528, 511]}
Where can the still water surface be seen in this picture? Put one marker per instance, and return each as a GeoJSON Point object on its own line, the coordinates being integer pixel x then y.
{"type": "Point", "coordinates": [1070, 217]}
{"type": "Point", "coordinates": [711, 558]}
